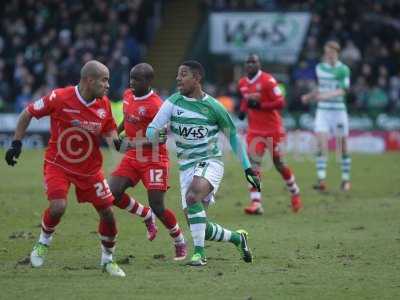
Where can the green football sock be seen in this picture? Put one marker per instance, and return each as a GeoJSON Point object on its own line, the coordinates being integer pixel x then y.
{"type": "Point", "coordinates": [215, 232]}
{"type": "Point", "coordinates": [197, 223]}
{"type": "Point", "coordinates": [321, 163]}
{"type": "Point", "coordinates": [346, 166]}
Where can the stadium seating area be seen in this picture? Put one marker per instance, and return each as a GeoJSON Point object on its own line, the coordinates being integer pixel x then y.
{"type": "Point", "coordinates": [369, 32]}
{"type": "Point", "coordinates": [44, 43]}
{"type": "Point", "coordinates": [370, 38]}
{"type": "Point", "coordinates": [40, 50]}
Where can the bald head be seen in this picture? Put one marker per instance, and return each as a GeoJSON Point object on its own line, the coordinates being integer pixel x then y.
{"type": "Point", "coordinates": [253, 57]}
{"type": "Point", "coordinates": [143, 70]}
{"type": "Point", "coordinates": [141, 77]}
{"type": "Point", "coordinates": [253, 65]}
{"type": "Point", "coordinates": [94, 80]}
{"type": "Point", "coordinates": [93, 69]}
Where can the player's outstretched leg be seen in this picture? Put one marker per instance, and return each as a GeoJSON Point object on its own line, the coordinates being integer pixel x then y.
{"type": "Point", "coordinates": [135, 207]}
{"type": "Point", "coordinates": [290, 181]}
{"type": "Point", "coordinates": [244, 248]}
{"type": "Point", "coordinates": [255, 206]}
{"type": "Point", "coordinates": [215, 232]}
{"type": "Point", "coordinates": [51, 217]}
{"type": "Point", "coordinates": [168, 218]}
{"type": "Point", "coordinates": [107, 232]}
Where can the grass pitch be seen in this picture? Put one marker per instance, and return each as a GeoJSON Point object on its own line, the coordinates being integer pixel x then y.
{"type": "Point", "coordinates": [341, 246]}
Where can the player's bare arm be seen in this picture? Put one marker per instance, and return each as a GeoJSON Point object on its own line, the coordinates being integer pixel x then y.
{"type": "Point", "coordinates": [306, 98]}
{"type": "Point", "coordinates": [23, 122]}
{"type": "Point", "coordinates": [316, 96]}
{"type": "Point", "coordinates": [327, 95]}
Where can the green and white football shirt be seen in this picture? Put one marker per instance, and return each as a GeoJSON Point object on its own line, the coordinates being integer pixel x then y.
{"type": "Point", "coordinates": [331, 78]}
{"type": "Point", "coordinates": [196, 125]}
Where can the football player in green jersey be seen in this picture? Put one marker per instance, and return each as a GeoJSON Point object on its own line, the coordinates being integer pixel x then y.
{"type": "Point", "coordinates": [331, 115]}
{"type": "Point", "coordinates": [196, 119]}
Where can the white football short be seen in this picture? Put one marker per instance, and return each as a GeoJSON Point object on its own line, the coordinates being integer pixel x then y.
{"type": "Point", "coordinates": [212, 170]}
{"type": "Point", "coordinates": [334, 122]}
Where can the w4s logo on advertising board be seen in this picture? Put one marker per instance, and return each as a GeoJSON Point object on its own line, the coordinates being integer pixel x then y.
{"type": "Point", "coordinates": [238, 33]}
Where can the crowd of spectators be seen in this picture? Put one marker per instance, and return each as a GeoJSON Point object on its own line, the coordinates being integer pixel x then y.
{"type": "Point", "coordinates": [241, 5]}
{"type": "Point", "coordinates": [43, 43]}
{"type": "Point", "coordinates": [369, 33]}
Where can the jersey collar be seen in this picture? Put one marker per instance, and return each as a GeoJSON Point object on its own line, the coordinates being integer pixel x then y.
{"type": "Point", "coordinates": [194, 99]}
{"type": "Point", "coordinates": [145, 96]}
{"type": "Point", "coordinates": [81, 98]}
{"type": "Point", "coordinates": [337, 64]}
{"type": "Point", "coordinates": [254, 79]}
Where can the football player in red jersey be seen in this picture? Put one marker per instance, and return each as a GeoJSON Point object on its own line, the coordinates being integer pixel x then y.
{"type": "Point", "coordinates": [261, 100]}
{"type": "Point", "coordinates": [79, 117]}
{"type": "Point", "coordinates": [145, 162]}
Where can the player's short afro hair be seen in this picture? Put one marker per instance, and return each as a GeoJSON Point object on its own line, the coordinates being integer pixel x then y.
{"type": "Point", "coordinates": [194, 65]}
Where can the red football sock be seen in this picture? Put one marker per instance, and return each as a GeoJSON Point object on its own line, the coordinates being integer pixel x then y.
{"type": "Point", "coordinates": [107, 232]}
{"type": "Point", "coordinates": [134, 207]}
{"type": "Point", "coordinates": [286, 173]}
{"type": "Point", "coordinates": [290, 180]}
{"type": "Point", "coordinates": [48, 222]}
{"type": "Point", "coordinates": [168, 218]}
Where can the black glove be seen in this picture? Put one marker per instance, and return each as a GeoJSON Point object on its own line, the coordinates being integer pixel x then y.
{"type": "Point", "coordinates": [117, 144]}
{"type": "Point", "coordinates": [253, 179]}
{"type": "Point", "coordinates": [241, 115]}
{"type": "Point", "coordinates": [254, 104]}
{"type": "Point", "coordinates": [13, 152]}
{"type": "Point", "coordinates": [162, 136]}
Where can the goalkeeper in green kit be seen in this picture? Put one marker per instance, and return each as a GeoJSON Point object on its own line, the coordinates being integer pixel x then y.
{"type": "Point", "coordinates": [196, 119]}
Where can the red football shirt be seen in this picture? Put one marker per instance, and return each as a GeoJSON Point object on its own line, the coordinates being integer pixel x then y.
{"type": "Point", "coordinates": [267, 119]}
{"type": "Point", "coordinates": [76, 129]}
{"type": "Point", "coordinates": [138, 113]}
